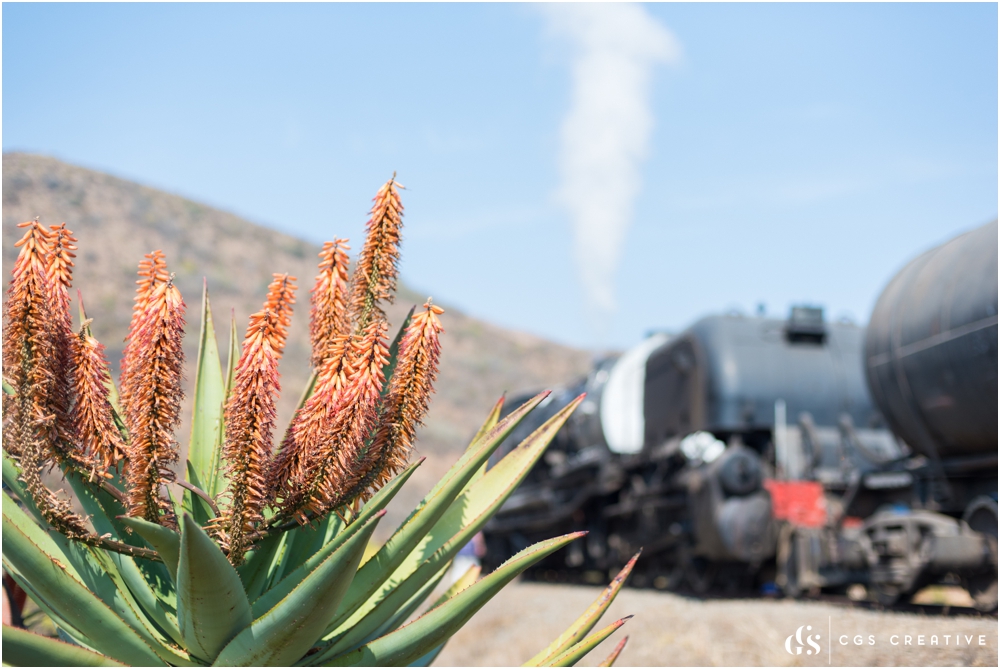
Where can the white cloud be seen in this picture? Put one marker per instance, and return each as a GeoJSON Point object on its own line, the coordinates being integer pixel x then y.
{"type": "Point", "coordinates": [605, 135]}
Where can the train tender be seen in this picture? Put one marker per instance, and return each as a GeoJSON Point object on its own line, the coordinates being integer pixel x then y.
{"type": "Point", "coordinates": [748, 450]}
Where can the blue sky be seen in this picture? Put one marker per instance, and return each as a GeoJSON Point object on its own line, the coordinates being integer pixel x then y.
{"type": "Point", "coordinates": [796, 153]}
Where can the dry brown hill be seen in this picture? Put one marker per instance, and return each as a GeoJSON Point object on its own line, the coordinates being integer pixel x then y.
{"type": "Point", "coordinates": [117, 221]}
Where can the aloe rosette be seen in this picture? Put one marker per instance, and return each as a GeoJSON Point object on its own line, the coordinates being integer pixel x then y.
{"type": "Point", "coordinates": [260, 561]}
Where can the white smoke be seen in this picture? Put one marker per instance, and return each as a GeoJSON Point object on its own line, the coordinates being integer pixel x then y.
{"type": "Point", "coordinates": [605, 135]}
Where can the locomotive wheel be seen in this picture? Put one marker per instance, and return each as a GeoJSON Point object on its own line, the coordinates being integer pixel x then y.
{"type": "Point", "coordinates": [982, 587]}
{"type": "Point", "coordinates": [981, 515]}
{"type": "Point", "coordinates": [886, 594]}
{"type": "Point", "coordinates": [691, 573]}
{"type": "Point", "coordinates": [788, 564]}
{"type": "Point", "coordinates": [699, 575]}
{"type": "Point", "coordinates": [675, 578]}
{"type": "Point", "coordinates": [983, 590]}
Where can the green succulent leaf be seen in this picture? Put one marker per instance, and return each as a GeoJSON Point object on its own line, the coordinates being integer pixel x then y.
{"type": "Point", "coordinates": [93, 568]}
{"type": "Point", "coordinates": [25, 649]}
{"type": "Point", "coordinates": [107, 515]}
{"type": "Point", "coordinates": [10, 476]}
{"type": "Point", "coordinates": [102, 507]}
{"type": "Point", "coordinates": [283, 634]}
{"type": "Point", "coordinates": [164, 541]}
{"type": "Point", "coordinates": [426, 660]}
{"type": "Point", "coordinates": [221, 481]}
{"type": "Point", "coordinates": [295, 549]}
{"type": "Point", "coordinates": [256, 568]}
{"type": "Point", "coordinates": [234, 355]}
{"type": "Point", "coordinates": [325, 530]}
{"type": "Point", "coordinates": [491, 420]}
{"type": "Point", "coordinates": [410, 607]}
{"type": "Point", "coordinates": [413, 530]}
{"type": "Point", "coordinates": [466, 516]}
{"type": "Point", "coordinates": [414, 640]}
{"type": "Point", "coordinates": [193, 503]}
{"type": "Point", "coordinates": [578, 630]}
{"type": "Point", "coordinates": [484, 430]}
{"type": "Point", "coordinates": [275, 594]}
{"type": "Point", "coordinates": [211, 605]}
{"type": "Point", "coordinates": [363, 628]}
{"type": "Point", "coordinates": [471, 510]}
{"type": "Point", "coordinates": [204, 454]}
{"type": "Point", "coordinates": [128, 583]}
{"type": "Point", "coordinates": [61, 588]}
{"type": "Point", "coordinates": [326, 538]}
{"type": "Point", "coordinates": [54, 614]}
{"type": "Point", "coordinates": [8, 389]}
{"type": "Point", "coordinates": [575, 653]}
{"type": "Point", "coordinates": [50, 543]}
{"type": "Point", "coordinates": [46, 540]}
{"type": "Point", "coordinates": [468, 578]}
{"type": "Point", "coordinates": [11, 472]}
{"type": "Point", "coordinates": [486, 445]}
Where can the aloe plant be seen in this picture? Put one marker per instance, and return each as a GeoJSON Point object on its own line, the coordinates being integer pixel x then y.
{"type": "Point", "coordinates": [260, 560]}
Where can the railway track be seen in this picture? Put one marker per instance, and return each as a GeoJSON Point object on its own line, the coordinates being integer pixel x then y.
{"type": "Point", "coordinates": [945, 610]}
{"type": "Point", "coordinates": [595, 578]}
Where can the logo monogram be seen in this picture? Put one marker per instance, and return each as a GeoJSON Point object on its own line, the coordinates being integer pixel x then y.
{"type": "Point", "coordinates": [811, 640]}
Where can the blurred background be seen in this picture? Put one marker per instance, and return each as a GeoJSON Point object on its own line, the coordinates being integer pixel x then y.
{"type": "Point", "coordinates": [584, 173]}
{"type": "Point", "coordinates": [577, 177]}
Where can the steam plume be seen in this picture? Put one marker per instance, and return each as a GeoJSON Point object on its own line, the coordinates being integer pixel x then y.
{"type": "Point", "coordinates": [605, 135]}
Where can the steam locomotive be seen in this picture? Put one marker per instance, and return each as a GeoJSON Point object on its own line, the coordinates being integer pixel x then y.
{"type": "Point", "coordinates": [802, 454]}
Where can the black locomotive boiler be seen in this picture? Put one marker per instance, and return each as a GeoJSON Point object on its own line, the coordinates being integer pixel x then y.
{"type": "Point", "coordinates": [749, 450]}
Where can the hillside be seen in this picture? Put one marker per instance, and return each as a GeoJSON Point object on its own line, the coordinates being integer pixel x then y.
{"type": "Point", "coordinates": [117, 221]}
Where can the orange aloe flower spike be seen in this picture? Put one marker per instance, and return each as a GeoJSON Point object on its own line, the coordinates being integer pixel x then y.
{"type": "Point", "coordinates": [331, 445]}
{"type": "Point", "coordinates": [152, 271]}
{"type": "Point", "coordinates": [60, 276]}
{"type": "Point", "coordinates": [32, 367]}
{"type": "Point", "coordinates": [280, 298]}
{"type": "Point", "coordinates": [287, 472]}
{"type": "Point", "coordinates": [60, 270]}
{"type": "Point", "coordinates": [375, 275]}
{"type": "Point", "coordinates": [328, 315]}
{"type": "Point", "coordinates": [250, 416]}
{"type": "Point", "coordinates": [100, 439]}
{"type": "Point", "coordinates": [405, 404]}
{"type": "Point", "coordinates": [151, 390]}
{"type": "Point", "coordinates": [28, 346]}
